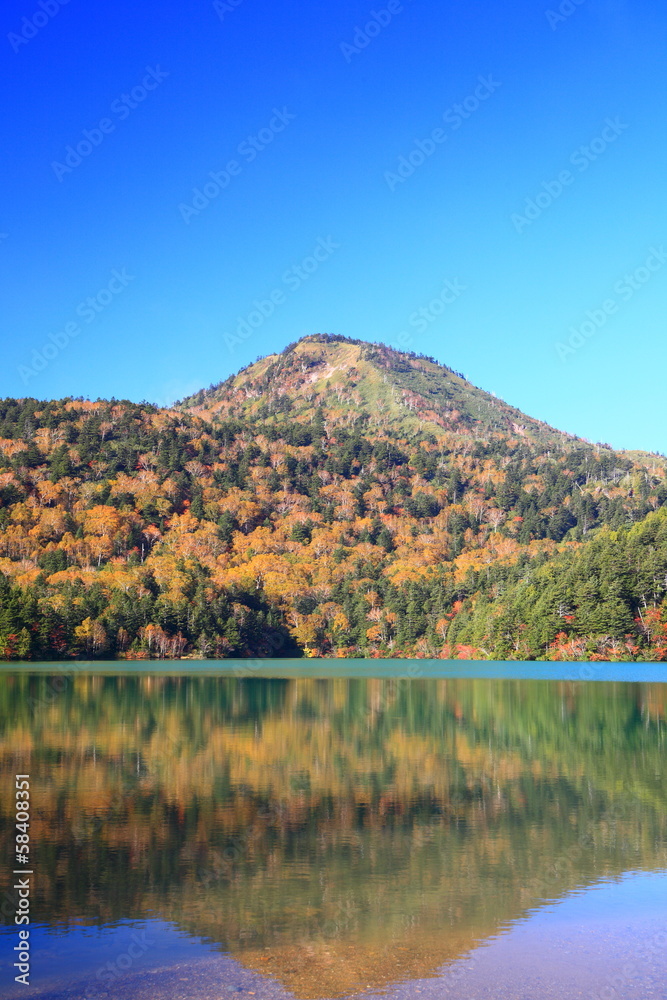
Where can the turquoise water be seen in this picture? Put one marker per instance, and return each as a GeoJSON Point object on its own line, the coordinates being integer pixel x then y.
{"type": "Point", "coordinates": [491, 669]}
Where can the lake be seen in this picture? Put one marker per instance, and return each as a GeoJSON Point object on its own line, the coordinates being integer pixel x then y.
{"type": "Point", "coordinates": [316, 829]}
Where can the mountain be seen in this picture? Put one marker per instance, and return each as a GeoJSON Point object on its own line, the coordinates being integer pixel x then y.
{"type": "Point", "coordinates": [369, 385]}
{"type": "Point", "coordinates": [340, 498]}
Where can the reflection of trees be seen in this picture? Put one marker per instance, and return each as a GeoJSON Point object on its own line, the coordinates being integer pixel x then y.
{"type": "Point", "coordinates": [332, 815]}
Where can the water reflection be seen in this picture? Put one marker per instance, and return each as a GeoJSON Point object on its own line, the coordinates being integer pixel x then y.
{"type": "Point", "coordinates": [333, 834]}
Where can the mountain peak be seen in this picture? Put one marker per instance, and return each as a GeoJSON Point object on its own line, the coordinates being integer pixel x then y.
{"type": "Point", "coordinates": [357, 381]}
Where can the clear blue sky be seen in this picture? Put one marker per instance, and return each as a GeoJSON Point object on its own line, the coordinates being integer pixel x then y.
{"type": "Point", "coordinates": [169, 94]}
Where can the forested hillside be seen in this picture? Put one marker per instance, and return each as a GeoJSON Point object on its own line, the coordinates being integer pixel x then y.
{"type": "Point", "coordinates": [339, 499]}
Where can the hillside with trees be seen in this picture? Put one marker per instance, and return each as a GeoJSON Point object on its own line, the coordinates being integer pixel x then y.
{"type": "Point", "coordinates": [338, 499]}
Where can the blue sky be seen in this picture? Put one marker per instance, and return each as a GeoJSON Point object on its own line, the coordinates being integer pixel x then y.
{"type": "Point", "coordinates": [193, 186]}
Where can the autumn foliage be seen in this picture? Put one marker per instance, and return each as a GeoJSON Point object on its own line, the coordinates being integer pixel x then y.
{"type": "Point", "coordinates": [340, 499]}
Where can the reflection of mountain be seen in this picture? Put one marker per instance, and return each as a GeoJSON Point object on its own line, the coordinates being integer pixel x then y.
{"type": "Point", "coordinates": [334, 834]}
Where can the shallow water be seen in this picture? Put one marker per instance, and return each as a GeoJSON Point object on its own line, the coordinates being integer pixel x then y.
{"type": "Point", "coordinates": [202, 835]}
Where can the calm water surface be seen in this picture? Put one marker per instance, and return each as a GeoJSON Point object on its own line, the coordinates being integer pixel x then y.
{"type": "Point", "coordinates": [202, 835]}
